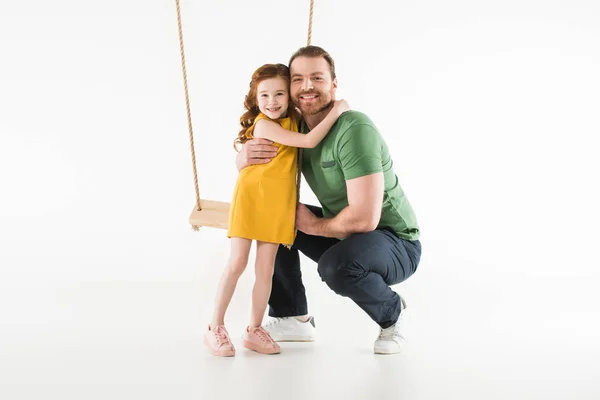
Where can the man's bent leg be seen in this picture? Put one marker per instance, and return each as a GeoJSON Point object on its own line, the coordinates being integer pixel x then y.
{"type": "Point", "coordinates": [363, 266]}
{"type": "Point", "coordinates": [288, 297]}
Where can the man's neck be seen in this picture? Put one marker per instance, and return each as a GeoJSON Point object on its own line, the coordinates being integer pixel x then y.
{"type": "Point", "coordinates": [315, 119]}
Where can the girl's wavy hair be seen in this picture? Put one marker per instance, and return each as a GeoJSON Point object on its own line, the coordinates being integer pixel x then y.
{"type": "Point", "coordinates": [267, 71]}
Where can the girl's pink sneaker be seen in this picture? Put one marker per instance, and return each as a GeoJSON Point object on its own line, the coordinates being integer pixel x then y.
{"type": "Point", "coordinates": [218, 342]}
{"type": "Point", "coordinates": [259, 340]}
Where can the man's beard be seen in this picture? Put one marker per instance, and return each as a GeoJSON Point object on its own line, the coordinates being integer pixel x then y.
{"type": "Point", "coordinates": [324, 100]}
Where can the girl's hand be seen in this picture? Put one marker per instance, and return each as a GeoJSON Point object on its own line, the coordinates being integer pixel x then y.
{"type": "Point", "coordinates": [340, 107]}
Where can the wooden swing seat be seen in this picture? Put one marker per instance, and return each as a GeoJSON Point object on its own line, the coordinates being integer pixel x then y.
{"type": "Point", "coordinates": [214, 214]}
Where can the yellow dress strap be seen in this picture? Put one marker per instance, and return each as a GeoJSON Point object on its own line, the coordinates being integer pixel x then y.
{"type": "Point", "coordinates": [249, 131]}
{"type": "Point", "coordinates": [290, 123]}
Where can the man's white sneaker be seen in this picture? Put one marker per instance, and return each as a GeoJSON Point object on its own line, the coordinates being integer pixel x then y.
{"type": "Point", "coordinates": [391, 340]}
{"type": "Point", "coordinates": [289, 329]}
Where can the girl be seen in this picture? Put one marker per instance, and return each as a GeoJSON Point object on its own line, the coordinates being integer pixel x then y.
{"type": "Point", "coordinates": [264, 203]}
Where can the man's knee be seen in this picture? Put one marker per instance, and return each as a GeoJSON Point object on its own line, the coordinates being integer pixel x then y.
{"type": "Point", "coordinates": [337, 273]}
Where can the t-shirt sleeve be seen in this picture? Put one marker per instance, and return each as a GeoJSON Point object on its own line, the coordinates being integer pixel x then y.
{"type": "Point", "coordinates": [359, 151]}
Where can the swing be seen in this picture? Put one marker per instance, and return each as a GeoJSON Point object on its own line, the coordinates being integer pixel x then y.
{"type": "Point", "coordinates": [212, 213]}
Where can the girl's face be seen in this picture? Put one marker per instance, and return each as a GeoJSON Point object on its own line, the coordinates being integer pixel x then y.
{"type": "Point", "coordinates": [272, 96]}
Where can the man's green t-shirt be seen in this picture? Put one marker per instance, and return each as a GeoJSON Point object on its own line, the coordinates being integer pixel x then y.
{"type": "Point", "coordinates": [353, 148]}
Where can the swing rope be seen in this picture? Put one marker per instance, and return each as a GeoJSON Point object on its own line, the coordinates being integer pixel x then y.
{"type": "Point", "coordinates": [300, 150]}
{"type": "Point", "coordinates": [310, 18]}
{"type": "Point", "coordinates": [187, 106]}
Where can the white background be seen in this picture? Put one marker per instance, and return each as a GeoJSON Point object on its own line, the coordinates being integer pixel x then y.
{"type": "Point", "coordinates": [490, 110]}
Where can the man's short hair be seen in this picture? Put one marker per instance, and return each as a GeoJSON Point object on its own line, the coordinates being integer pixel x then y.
{"type": "Point", "coordinates": [315, 52]}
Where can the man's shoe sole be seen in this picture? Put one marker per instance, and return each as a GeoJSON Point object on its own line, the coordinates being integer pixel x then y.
{"type": "Point", "coordinates": [385, 351]}
{"type": "Point", "coordinates": [291, 338]}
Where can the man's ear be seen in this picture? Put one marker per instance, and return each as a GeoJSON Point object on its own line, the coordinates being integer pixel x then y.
{"type": "Point", "coordinates": [334, 85]}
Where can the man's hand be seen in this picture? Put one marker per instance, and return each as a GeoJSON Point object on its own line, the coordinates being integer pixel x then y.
{"type": "Point", "coordinates": [305, 219]}
{"type": "Point", "coordinates": [363, 213]}
{"type": "Point", "coordinates": [255, 151]}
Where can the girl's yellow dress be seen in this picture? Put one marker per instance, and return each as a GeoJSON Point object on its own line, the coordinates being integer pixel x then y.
{"type": "Point", "coordinates": [264, 199]}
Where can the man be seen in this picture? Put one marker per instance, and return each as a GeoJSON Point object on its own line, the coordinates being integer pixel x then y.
{"type": "Point", "coordinates": [365, 236]}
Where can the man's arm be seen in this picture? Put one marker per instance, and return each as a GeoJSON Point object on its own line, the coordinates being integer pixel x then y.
{"type": "Point", "coordinates": [359, 151]}
{"type": "Point", "coordinates": [365, 199]}
{"type": "Point", "coordinates": [255, 151]}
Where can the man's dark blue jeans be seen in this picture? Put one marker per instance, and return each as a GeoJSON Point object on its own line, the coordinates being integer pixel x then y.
{"type": "Point", "coordinates": [361, 267]}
